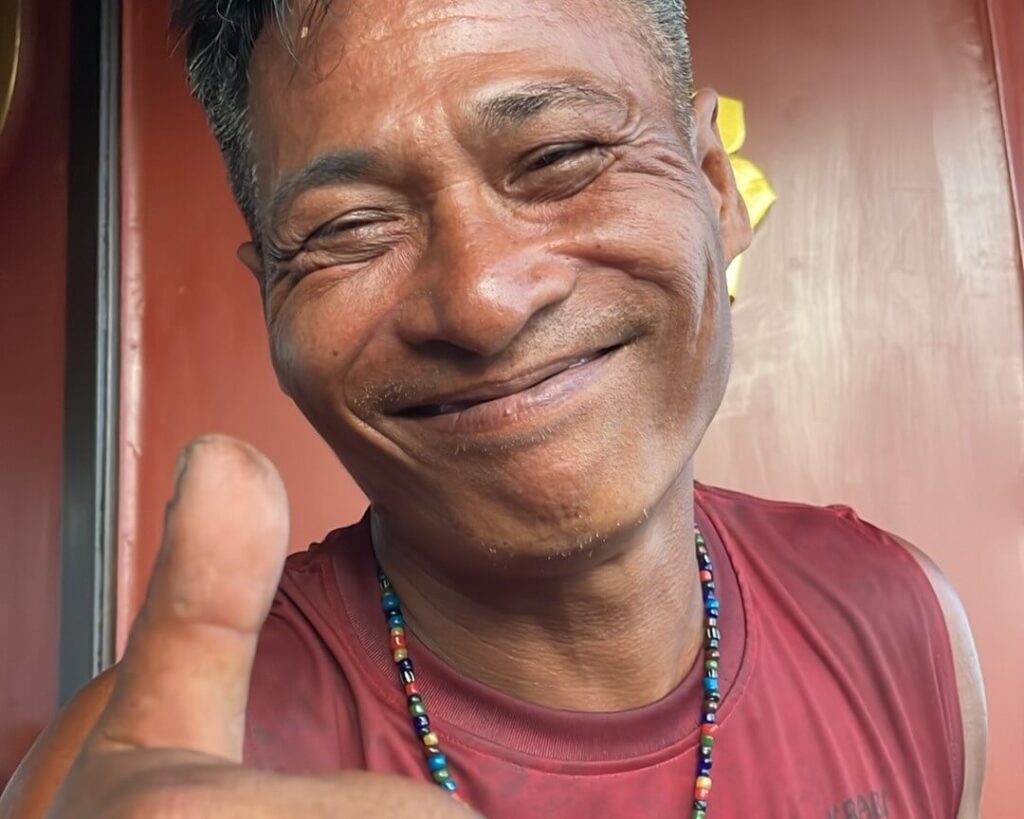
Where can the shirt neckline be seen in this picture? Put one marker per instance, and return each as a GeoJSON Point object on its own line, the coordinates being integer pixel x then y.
{"type": "Point", "coordinates": [497, 724]}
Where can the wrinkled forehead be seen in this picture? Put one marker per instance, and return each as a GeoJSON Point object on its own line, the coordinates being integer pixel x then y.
{"type": "Point", "coordinates": [363, 68]}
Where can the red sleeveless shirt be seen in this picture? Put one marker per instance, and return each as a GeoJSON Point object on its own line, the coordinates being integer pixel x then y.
{"type": "Point", "coordinates": [839, 691]}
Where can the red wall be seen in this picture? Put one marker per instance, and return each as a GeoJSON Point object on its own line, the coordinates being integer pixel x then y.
{"type": "Point", "coordinates": [879, 346]}
{"type": "Point", "coordinates": [33, 219]}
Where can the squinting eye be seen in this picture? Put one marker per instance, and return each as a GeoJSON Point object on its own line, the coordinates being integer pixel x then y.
{"type": "Point", "coordinates": [557, 154]}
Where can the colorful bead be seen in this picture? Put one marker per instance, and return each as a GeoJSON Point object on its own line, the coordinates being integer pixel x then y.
{"type": "Point", "coordinates": [437, 762]}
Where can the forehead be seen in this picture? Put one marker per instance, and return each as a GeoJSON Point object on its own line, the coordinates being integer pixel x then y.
{"type": "Point", "coordinates": [367, 68]}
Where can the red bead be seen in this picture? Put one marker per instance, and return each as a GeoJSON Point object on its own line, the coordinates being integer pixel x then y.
{"type": "Point", "coordinates": [709, 728]}
{"type": "Point", "coordinates": [397, 641]}
{"type": "Point", "coordinates": [705, 575]}
{"type": "Point", "coordinates": [411, 688]}
{"type": "Point", "coordinates": [701, 794]}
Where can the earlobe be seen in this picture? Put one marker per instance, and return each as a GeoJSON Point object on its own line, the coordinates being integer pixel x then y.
{"type": "Point", "coordinates": [733, 219]}
{"type": "Point", "coordinates": [249, 254]}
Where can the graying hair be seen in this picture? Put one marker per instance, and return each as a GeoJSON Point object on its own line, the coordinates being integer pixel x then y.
{"type": "Point", "coordinates": [219, 36]}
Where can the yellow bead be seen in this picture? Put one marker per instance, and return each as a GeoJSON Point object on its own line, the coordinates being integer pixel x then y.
{"type": "Point", "coordinates": [703, 782]}
{"type": "Point", "coordinates": [430, 740]}
{"type": "Point", "coordinates": [397, 631]}
{"type": "Point", "coordinates": [401, 654]}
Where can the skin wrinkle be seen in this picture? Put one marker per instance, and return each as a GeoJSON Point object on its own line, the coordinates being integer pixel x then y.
{"type": "Point", "coordinates": [494, 271]}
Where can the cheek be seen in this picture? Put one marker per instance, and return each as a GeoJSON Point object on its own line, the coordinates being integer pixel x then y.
{"type": "Point", "coordinates": [659, 231]}
{"type": "Point", "coordinates": [314, 338]}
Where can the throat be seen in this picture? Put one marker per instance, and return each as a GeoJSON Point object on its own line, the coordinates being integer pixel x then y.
{"type": "Point", "coordinates": [617, 637]}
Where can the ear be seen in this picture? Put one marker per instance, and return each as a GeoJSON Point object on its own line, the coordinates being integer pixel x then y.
{"type": "Point", "coordinates": [733, 219]}
{"type": "Point", "coordinates": [249, 254]}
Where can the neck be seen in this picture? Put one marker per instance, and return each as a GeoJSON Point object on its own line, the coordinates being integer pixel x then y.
{"type": "Point", "coordinates": [617, 632]}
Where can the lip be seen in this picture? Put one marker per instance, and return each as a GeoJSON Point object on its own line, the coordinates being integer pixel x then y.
{"type": "Point", "coordinates": [516, 402]}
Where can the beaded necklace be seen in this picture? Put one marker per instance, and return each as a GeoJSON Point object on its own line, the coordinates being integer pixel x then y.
{"type": "Point", "coordinates": [437, 761]}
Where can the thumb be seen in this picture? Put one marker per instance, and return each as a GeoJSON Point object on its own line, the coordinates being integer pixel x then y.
{"type": "Point", "coordinates": [184, 679]}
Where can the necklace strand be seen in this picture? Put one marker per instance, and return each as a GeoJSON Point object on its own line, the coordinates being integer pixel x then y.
{"type": "Point", "coordinates": [437, 761]}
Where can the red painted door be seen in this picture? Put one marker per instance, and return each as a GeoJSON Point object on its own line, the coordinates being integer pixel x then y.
{"type": "Point", "coordinates": [33, 224]}
{"type": "Point", "coordinates": [878, 326]}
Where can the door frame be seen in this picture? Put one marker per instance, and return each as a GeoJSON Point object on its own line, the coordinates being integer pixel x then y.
{"type": "Point", "coordinates": [91, 398]}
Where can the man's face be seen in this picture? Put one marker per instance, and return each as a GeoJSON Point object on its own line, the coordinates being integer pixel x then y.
{"type": "Point", "coordinates": [495, 270]}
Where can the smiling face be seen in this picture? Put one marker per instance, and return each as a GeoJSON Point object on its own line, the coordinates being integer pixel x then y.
{"type": "Point", "coordinates": [493, 263]}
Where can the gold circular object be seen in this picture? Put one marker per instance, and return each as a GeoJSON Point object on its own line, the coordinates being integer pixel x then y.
{"type": "Point", "coordinates": [10, 44]}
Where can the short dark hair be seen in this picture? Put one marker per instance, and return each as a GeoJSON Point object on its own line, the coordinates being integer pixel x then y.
{"type": "Point", "coordinates": [219, 36]}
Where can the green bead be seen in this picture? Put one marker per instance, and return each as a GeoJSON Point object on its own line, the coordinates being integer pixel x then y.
{"type": "Point", "coordinates": [442, 775]}
{"type": "Point", "coordinates": [699, 814]}
{"type": "Point", "coordinates": [709, 664]}
{"type": "Point", "coordinates": [416, 709]}
{"type": "Point", "coordinates": [707, 740]}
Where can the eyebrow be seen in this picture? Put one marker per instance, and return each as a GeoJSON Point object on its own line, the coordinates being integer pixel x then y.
{"type": "Point", "coordinates": [515, 108]}
{"type": "Point", "coordinates": [351, 165]}
{"type": "Point", "coordinates": [505, 110]}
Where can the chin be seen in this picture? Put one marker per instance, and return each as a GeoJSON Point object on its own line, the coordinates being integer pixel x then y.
{"type": "Point", "coordinates": [557, 506]}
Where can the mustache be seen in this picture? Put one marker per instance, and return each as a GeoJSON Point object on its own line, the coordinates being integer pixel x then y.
{"type": "Point", "coordinates": [447, 370]}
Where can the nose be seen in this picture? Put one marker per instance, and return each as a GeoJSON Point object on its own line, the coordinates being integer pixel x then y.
{"type": "Point", "coordinates": [484, 275]}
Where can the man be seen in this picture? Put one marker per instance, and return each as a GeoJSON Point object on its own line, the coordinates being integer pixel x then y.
{"type": "Point", "coordinates": [492, 240]}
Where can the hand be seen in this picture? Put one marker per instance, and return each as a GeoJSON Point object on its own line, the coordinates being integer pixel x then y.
{"type": "Point", "coordinates": [169, 742]}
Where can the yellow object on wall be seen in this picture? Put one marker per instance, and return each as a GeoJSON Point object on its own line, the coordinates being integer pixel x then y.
{"type": "Point", "coordinates": [754, 187]}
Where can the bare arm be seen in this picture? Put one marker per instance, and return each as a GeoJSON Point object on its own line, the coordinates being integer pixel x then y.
{"type": "Point", "coordinates": [31, 789]}
{"type": "Point", "coordinates": [162, 736]}
{"type": "Point", "coordinates": [970, 686]}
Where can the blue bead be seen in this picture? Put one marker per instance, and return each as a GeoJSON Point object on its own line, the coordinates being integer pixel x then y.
{"type": "Point", "coordinates": [437, 761]}
{"type": "Point", "coordinates": [713, 612]}
{"type": "Point", "coordinates": [709, 717]}
{"type": "Point", "coordinates": [421, 723]}
{"type": "Point", "coordinates": [396, 621]}
{"type": "Point", "coordinates": [711, 601]}
{"type": "Point", "coordinates": [389, 601]}
{"type": "Point", "coordinates": [406, 677]}
{"type": "Point", "coordinates": [449, 785]}
{"type": "Point", "coordinates": [405, 665]}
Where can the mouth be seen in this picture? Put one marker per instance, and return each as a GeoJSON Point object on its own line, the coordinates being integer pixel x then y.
{"type": "Point", "coordinates": [511, 402]}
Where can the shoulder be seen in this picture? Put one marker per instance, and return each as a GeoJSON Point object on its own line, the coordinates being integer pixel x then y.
{"type": "Point", "coordinates": [858, 579]}
{"type": "Point", "coordinates": [969, 682]}
{"type": "Point", "coordinates": [303, 693]}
